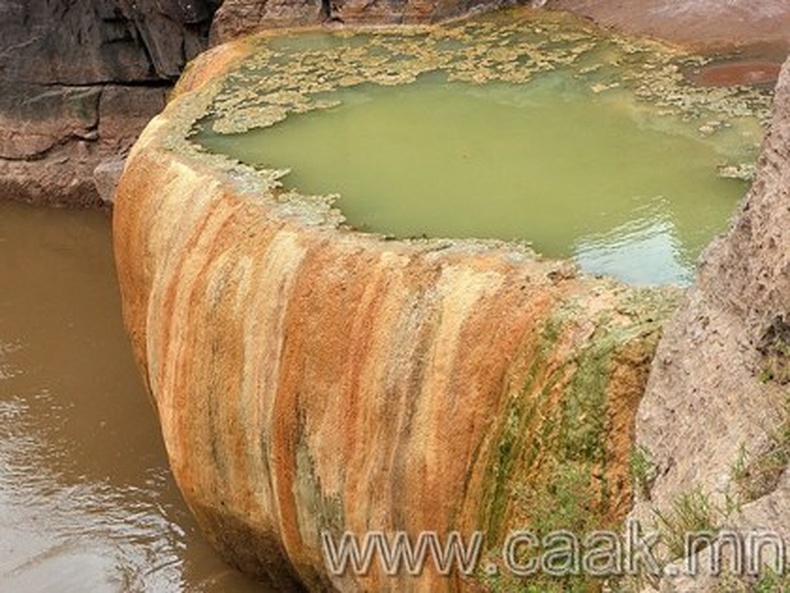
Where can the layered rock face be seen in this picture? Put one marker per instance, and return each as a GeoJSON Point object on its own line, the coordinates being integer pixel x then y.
{"type": "Point", "coordinates": [707, 24]}
{"type": "Point", "coordinates": [310, 379]}
{"type": "Point", "coordinates": [79, 81]}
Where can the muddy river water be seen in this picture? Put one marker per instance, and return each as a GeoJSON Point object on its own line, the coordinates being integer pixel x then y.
{"type": "Point", "coordinates": [87, 502]}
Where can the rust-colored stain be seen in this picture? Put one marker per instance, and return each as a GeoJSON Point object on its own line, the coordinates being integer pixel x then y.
{"type": "Point", "coordinates": [736, 73]}
{"type": "Point", "coordinates": [308, 377]}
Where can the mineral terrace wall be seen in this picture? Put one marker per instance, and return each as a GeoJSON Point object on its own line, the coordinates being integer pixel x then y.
{"type": "Point", "coordinates": [309, 378]}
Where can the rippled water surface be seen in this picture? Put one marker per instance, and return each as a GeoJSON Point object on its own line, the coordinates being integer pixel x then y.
{"type": "Point", "coordinates": [87, 503]}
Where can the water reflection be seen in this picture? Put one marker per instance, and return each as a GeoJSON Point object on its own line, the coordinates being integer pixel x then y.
{"type": "Point", "coordinates": [87, 502]}
{"type": "Point", "coordinates": [643, 251]}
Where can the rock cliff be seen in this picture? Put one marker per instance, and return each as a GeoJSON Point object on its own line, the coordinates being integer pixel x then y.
{"type": "Point", "coordinates": [241, 17]}
{"type": "Point", "coordinates": [760, 24]}
{"type": "Point", "coordinates": [715, 419]}
{"type": "Point", "coordinates": [79, 80]}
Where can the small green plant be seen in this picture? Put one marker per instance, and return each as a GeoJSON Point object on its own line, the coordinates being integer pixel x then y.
{"type": "Point", "coordinates": [768, 581]}
{"type": "Point", "coordinates": [772, 582]}
{"type": "Point", "coordinates": [758, 475]}
{"type": "Point", "coordinates": [761, 475]}
{"type": "Point", "coordinates": [643, 471]}
{"type": "Point", "coordinates": [774, 347]}
{"type": "Point", "coordinates": [692, 512]}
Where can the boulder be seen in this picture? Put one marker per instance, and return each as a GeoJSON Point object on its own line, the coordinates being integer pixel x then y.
{"type": "Point", "coordinates": [715, 419]}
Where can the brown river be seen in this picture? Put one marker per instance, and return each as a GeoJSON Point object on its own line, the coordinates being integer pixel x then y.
{"type": "Point", "coordinates": [87, 502]}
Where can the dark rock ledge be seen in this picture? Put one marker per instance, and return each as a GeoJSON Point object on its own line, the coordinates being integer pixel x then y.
{"type": "Point", "coordinates": [79, 81]}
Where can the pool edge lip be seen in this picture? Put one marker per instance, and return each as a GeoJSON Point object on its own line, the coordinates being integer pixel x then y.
{"type": "Point", "coordinates": [169, 133]}
{"type": "Point", "coordinates": [219, 62]}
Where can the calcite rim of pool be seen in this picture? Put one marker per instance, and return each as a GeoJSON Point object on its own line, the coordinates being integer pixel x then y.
{"type": "Point", "coordinates": [314, 208]}
{"type": "Point", "coordinates": [172, 129]}
{"type": "Point", "coordinates": [228, 287]}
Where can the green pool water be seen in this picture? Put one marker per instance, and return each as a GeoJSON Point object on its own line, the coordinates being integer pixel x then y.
{"type": "Point", "coordinates": [575, 167]}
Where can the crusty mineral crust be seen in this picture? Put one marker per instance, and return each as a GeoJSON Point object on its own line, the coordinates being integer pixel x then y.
{"type": "Point", "coordinates": [311, 378]}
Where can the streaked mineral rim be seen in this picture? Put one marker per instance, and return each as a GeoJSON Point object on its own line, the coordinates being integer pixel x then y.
{"type": "Point", "coordinates": [312, 378]}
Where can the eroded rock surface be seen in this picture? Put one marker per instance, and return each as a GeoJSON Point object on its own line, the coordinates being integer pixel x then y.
{"type": "Point", "coordinates": [715, 416]}
{"type": "Point", "coordinates": [79, 81]}
{"type": "Point", "coordinates": [241, 17]}
{"type": "Point", "coordinates": [694, 23]}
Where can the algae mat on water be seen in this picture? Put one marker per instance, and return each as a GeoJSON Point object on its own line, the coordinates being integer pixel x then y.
{"type": "Point", "coordinates": [517, 126]}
